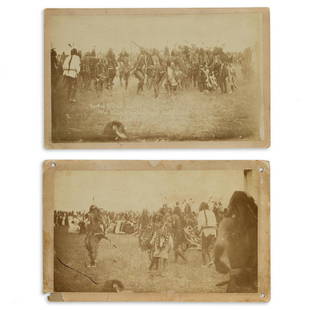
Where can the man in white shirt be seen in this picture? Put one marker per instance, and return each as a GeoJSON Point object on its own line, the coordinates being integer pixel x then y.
{"type": "Point", "coordinates": [207, 225]}
{"type": "Point", "coordinates": [71, 69]}
{"type": "Point", "coordinates": [171, 79]}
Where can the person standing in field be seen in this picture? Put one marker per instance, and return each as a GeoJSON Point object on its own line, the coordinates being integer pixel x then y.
{"type": "Point", "coordinates": [54, 69]}
{"type": "Point", "coordinates": [171, 83]}
{"type": "Point", "coordinates": [223, 77]}
{"type": "Point", "coordinates": [95, 231]}
{"type": "Point", "coordinates": [232, 77]}
{"type": "Point", "coordinates": [124, 68]}
{"type": "Point", "coordinates": [207, 225]}
{"type": "Point", "coordinates": [162, 243]}
{"type": "Point", "coordinates": [111, 68]}
{"type": "Point", "coordinates": [71, 70]}
{"type": "Point", "coordinates": [178, 233]}
{"type": "Point", "coordinates": [139, 70]}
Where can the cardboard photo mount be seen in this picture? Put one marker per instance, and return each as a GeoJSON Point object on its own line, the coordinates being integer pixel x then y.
{"type": "Point", "coordinates": [263, 142]}
{"type": "Point", "coordinates": [263, 185]}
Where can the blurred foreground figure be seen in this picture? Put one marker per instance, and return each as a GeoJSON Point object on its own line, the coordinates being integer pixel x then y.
{"type": "Point", "coordinates": [114, 131]}
{"type": "Point", "coordinates": [238, 241]}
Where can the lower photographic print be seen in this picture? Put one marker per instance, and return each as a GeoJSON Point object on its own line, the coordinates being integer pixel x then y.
{"type": "Point", "coordinates": [156, 230]}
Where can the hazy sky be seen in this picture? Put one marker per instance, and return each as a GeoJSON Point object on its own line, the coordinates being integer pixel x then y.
{"type": "Point", "coordinates": [232, 31]}
{"type": "Point", "coordinates": [136, 190]}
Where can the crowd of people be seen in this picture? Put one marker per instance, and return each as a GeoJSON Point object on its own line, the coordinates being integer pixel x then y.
{"type": "Point", "coordinates": [172, 69]}
{"type": "Point", "coordinates": [175, 227]}
{"type": "Point", "coordinates": [179, 228]}
{"type": "Point", "coordinates": [113, 222]}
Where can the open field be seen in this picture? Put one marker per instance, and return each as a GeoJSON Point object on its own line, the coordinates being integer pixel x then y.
{"type": "Point", "coordinates": [128, 264]}
{"type": "Point", "coordinates": [187, 116]}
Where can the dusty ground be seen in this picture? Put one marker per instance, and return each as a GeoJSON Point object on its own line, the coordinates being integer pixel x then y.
{"type": "Point", "coordinates": [190, 115]}
{"type": "Point", "coordinates": [128, 264]}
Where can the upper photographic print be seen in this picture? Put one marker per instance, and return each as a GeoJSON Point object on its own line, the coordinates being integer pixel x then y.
{"type": "Point", "coordinates": [157, 78]}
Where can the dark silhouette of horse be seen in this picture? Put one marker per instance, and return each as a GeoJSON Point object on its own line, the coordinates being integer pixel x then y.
{"type": "Point", "coordinates": [237, 238]}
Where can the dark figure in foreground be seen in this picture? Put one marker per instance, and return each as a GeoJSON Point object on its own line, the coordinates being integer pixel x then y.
{"type": "Point", "coordinates": [114, 131]}
{"type": "Point", "coordinates": [113, 286]}
{"type": "Point", "coordinates": [237, 236]}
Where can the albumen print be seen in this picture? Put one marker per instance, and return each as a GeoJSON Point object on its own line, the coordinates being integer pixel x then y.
{"type": "Point", "coordinates": [157, 78]}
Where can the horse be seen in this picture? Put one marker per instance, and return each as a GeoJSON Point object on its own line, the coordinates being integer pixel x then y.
{"type": "Point", "coordinates": [237, 237]}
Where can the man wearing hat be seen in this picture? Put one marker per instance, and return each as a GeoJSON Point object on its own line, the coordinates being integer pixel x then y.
{"type": "Point", "coordinates": [207, 225]}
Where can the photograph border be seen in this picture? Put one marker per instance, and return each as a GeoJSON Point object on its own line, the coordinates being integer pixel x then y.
{"type": "Point", "coordinates": [51, 166]}
{"type": "Point", "coordinates": [264, 143]}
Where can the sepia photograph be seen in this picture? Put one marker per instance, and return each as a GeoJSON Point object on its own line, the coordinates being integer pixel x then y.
{"type": "Point", "coordinates": [156, 231]}
{"type": "Point", "coordinates": [157, 78]}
